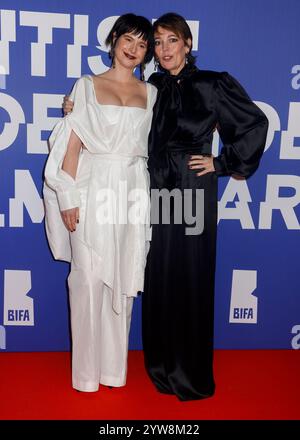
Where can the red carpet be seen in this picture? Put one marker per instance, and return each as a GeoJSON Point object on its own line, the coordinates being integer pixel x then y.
{"type": "Point", "coordinates": [251, 385]}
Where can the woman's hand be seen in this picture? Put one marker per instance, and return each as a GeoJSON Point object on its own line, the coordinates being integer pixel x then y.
{"type": "Point", "coordinates": [205, 163]}
{"type": "Point", "coordinates": [67, 105]}
{"type": "Point", "coordinates": [70, 218]}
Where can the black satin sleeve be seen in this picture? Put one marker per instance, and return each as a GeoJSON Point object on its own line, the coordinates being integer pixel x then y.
{"type": "Point", "coordinates": [242, 127]}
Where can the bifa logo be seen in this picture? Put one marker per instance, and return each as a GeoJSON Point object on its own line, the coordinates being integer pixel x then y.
{"type": "Point", "coordinates": [243, 304]}
{"type": "Point", "coordinates": [295, 342]}
{"type": "Point", "coordinates": [18, 307]}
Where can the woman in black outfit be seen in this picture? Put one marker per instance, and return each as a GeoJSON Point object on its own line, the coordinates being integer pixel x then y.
{"type": "Point", "coordinates": [178, 300]}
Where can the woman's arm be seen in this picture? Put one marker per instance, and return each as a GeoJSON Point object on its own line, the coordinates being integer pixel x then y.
{"type": "Point", "coordinates": [243, 129]}
{"type": "Point", "coordinates": [70, 163]}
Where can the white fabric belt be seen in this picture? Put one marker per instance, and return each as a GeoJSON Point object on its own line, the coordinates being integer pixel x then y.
{"type": "Point", "coordinates": [112, 156]}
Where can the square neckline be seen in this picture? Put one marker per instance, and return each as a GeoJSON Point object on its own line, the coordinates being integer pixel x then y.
{"type": "Point", "coordinates": [116, 105]}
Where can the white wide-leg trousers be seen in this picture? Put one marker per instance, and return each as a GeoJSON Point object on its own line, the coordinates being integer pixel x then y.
{"type": "Point", "coordinates": [99, 334]}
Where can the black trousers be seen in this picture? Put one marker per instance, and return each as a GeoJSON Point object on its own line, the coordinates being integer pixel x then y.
{"type": "Point", "coordinates": [178, 301]}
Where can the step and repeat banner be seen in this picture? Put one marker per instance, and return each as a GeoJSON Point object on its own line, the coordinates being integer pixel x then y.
{"type": "Point", "coordinates": [44, 47]}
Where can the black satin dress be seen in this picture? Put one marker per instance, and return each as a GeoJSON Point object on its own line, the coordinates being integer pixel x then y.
{"type": "Point", "coordinates": [178, 299]}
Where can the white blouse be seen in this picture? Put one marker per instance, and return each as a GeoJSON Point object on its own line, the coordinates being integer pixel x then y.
{"type": "Point", "coordinates": [116, 138]}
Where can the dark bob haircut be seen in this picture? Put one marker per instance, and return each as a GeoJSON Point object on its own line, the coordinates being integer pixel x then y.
{"type": "Point", "coordinates": [136, 24]}
{"type": "Point", "coordinates": [177, 24]}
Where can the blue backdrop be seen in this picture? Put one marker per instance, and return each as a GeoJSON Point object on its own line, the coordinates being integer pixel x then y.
{"type": "Point", "coordinates": [44, 47]}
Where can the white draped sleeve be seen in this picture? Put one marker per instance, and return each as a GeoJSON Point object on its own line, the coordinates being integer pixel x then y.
{"type": "Point", "coordinates": [55, 177]}
{"type": "Point", "coordinates": [60, 192]}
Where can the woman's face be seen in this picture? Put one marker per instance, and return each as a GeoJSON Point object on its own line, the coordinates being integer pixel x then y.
{"type": "Point", "coordinates": [170, 50]}
{"type": "Point", "coordinates": [130, 50]}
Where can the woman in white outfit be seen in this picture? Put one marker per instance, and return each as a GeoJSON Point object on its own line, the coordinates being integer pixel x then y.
{"type": "Point", "coordinates": [97, 203]}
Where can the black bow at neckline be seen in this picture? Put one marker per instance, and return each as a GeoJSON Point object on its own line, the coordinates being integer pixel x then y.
{"type": "Point", "coordinates": [185, 72]}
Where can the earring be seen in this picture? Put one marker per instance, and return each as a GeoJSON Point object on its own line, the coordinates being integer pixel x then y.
{"type": "Point", "coordinates": [142, 69]}
{"type": "Point", "coordinates": [156, 64]}
{"type": "Point", "coordinates": [186, 59]}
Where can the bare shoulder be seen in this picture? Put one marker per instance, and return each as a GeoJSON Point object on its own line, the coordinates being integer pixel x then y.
{"type": "Point", "coordinates": [142, 85]}
{"type": "Point", "coordinates": [140, 82]}
{"type": "Point", "coordinates": [101, 77]}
